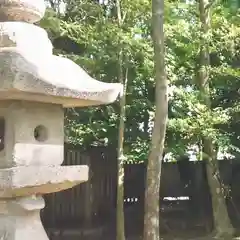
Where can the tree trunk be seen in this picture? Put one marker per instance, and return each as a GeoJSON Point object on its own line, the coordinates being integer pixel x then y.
{"type": "Point", "coordinates": [222, 224]}
{"type": "Point", "coordinates": [120, 187]}
{"type": "Point", "coordinates": [152, 209]}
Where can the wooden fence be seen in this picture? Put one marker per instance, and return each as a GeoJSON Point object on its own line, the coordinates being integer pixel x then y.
{"type": "Point", "coordinates": [94, 203]}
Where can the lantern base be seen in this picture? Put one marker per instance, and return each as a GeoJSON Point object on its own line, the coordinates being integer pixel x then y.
{"type": "Point", "coordinates": [20, 219]}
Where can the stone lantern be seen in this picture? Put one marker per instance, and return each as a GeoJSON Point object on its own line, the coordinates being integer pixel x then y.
{"type": "Point", "coordinates": [35, 87]}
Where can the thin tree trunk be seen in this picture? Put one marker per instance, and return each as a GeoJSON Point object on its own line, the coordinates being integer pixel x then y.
{"type": "Point", "coordinates": [222, 224]}
{"type": "Point", "coordinates": [151, 218]}
{"type": "Point", "coordinates": [120, 187]}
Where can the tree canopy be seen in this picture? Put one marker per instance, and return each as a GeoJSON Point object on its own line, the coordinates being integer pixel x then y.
{"type": "Point", "coordinates": [88, 33]}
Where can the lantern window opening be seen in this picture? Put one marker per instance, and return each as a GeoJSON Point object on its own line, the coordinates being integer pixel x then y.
{"type": "Point", "coordinates": [41, 133]}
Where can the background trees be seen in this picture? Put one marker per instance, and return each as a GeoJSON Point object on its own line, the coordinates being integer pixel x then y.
{"type": "Point", "coordinates": [88, 32]}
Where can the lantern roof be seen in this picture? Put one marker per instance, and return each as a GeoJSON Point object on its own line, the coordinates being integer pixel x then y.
{"type": "Point", "coordinates": [30, 71]}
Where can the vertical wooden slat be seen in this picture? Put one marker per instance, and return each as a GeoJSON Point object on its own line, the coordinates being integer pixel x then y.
{"type": "Point", "coordinates": [2, 133]}
{"type": "Point", "coordinates": [88, 197]}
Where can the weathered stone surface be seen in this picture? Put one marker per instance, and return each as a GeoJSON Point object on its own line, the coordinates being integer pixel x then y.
{"type": "Point", "coordinates": [22, 10]}
{"type": "Point", "coordinates": [21, 148]}
{"type": "Point", "coordinates": [24, 77]}
{"type": "Point", "coordinates": [26, 37]}
{"type": "Point", "coordinates": [20, 219]}
{"type": "Point", "coordinates": [29, 180]}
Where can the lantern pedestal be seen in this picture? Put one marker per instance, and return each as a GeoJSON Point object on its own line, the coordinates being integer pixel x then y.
{"type": "Point", "coordinates": [35, 87]}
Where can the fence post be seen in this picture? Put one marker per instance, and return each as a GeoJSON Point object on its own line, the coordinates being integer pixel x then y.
{"type": "Point", "coordinates": [88, 195]}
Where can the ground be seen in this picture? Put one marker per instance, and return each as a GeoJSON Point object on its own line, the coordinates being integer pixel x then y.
{"type": "Point", "coordinates": [173, 236]}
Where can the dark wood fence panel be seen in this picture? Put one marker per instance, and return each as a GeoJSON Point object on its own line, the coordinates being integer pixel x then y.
{"type": "Point", "coordinates": [94, 202]}
{"type": "Point", "coordinates": [87, 202]}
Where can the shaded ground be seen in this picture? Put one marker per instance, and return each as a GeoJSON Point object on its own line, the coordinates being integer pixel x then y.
{"type": "Point", "coordinates": [138, 238]}
{"type": "Point", "coordinates": [100, 235]}
{"type": "Point", "coordinates": [178, 226]}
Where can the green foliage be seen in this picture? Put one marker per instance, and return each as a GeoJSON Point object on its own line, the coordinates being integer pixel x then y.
{"type": "Point", "coordinates": [89, 34]}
